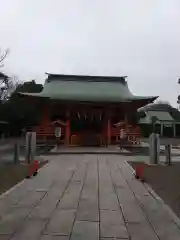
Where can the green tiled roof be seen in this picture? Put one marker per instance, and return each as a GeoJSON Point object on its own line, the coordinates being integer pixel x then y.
{"type": "Point", "coordinates": [145, 120]}
{"type": "Point", "coordinates": [162, 116]}
{"type": "Point", "coordinates": [87, 88]}
{"type": "Point", "coordinates": [160, 107]}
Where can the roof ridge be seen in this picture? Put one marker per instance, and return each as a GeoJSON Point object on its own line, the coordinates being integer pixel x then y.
{"type": "Point", "coordinates": [85, 78]}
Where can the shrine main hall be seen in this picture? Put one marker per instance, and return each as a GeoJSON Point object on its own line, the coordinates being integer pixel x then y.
{"type": "Point", "coordinates": [89, 110]}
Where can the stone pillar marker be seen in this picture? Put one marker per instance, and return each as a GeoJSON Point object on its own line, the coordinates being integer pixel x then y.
{"type": "Point", "coordinates": [168, 154]}
{"type": "Point", "coordinates": [154, 148]}
{"type": "Point", "coordinates": [16, 153]}
{"type": "Point", "coordinates": [162, 129]}
{"type": "Point", "coordinates": [33, 146]}
{"type": "Point", "coordinates": [174, 130]}
{"type": "Point", "coordinates": [30, 146]}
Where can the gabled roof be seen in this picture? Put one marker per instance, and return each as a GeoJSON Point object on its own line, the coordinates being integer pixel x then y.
{"type": "Point", "coordinates": [84, 78]}
{"type": "Point", "coordinates": [161, 110]}
{"type": "Point", "coordinates": [88, 88]}
{"type": "Point", "coordinates": [161, 116]}
{"type": "Point", "coordinates": [156, 107]}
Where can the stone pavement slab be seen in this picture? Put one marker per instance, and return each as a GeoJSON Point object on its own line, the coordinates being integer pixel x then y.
{"type": "Point", "coordinates": [88, 211]}
{"type": "Point", "coordinates": [112, 224]}
{"type": "Point", "coordinates": [31, 198]}
{"type": "Point", "coordinates": [61, 222]}
{"type": "Point", "coordinates": [88, 204]}
{"type": "Point", "coordinates": [13, 220]}
{"type": "Point", "coordinates": [140, 231]}
{"type": "Point", "coordinates": [85, 197]}
{"type": "Point", "coordinates": [71, 196]}
{"type": "Point", "coordinates": [32, 230]}
{"type": "Point", "coordinates": [45, 207]}
{"type": "Point", "coordinates": [85, 230]}
{"type": "Point", "coordinates": [80, 173]}
{"type": "Point", "coordinates": [4, 237]}
{"type": "Point", "coordinates": [107, 196]}
{"type": "Point", "coordinates": [53, 237]}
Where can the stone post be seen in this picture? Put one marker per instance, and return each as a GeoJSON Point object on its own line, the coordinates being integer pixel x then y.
{"type": "Point", "coordinates": [16, 153]}
{"type": "Point", "coordinates": [168, 154]}
{"type": "Point", "coordinates": [28, 147]}
{"type": "Point", "coordinates": [174, 130]}
{"type": "Point", "coordinates": [158, 147]}
{"type": "Point", "coordinates": [162, 129]}
{"type": "Point", "coordinates": [2, 136]}
{"type": "Point", "coordinates": [154, 148]}
{"type": "Point", "coordinates": [33, 146]}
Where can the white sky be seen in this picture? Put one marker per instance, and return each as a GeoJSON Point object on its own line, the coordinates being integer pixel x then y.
{"type": "Point", "coordinates": [137, 38]}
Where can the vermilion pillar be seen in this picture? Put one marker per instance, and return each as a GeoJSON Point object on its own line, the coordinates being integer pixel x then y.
{"type": "Point", "coordinates": [68, 128]}
{"type": "Point", "coordinates": [126, 122]}
{"type": "Point", "coordinates": [45, 119]}
{"type": "Point", "coordinates": [109, 131]}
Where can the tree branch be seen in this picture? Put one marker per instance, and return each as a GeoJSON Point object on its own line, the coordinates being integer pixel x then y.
{"type": "Point", "coordinates": [3, 56]}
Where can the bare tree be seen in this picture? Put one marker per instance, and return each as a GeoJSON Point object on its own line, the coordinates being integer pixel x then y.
{"type": "Point", "coordinates": [8, 87]}
{"type": "Point", "coordinates": [178, 99]}
{"type": "Point", "coordinates": [3, 55]}
{"type": "Point", "coordinates": [7, 84]}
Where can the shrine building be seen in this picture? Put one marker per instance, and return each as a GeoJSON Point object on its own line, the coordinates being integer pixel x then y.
{"type": "Point", "coordinates": [89, 110]}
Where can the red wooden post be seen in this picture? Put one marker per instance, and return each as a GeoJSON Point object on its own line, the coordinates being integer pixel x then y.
{"type": "Point", "coordinates": [45, 119]}
{"type": "Point", "coordinates": [68, 126]}
{"type": "Point", "coordinates": [109, 131]}
{"type": "Point", "coordinates": [126, 122]}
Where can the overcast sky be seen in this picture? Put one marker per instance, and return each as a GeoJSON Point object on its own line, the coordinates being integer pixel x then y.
{"type": "Point", "coordinates": [137, 38]}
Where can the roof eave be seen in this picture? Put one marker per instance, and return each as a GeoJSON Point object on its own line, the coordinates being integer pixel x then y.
{"type": "Point", "coordinates": [139, 98]}
{"type": "Point", "coordinates": [129, 100]}
{"type": "Point", "coordinates": [32, 95]}
{"type": "Point", "coordinates": [39, 95]}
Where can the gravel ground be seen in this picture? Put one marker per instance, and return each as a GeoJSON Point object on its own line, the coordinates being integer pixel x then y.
{"type": "Point", "coordinates": [11, 174]}
{"type": "Point", "coordinates": [6, 154]}
{"type": "Point", "coordinates": [165, 180]}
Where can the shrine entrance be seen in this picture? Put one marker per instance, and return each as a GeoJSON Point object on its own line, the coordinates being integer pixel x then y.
{"type": "Point", "coordinates": [87, 130]}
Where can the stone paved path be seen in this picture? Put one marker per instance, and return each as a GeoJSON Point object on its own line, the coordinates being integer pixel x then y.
{"type": "Point", "coordinates": [84, 197]}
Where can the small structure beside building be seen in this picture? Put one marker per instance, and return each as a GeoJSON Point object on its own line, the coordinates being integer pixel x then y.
{"type": "Point", "coordinates": [160, 118]}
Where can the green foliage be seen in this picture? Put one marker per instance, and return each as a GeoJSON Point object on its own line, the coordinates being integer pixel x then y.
{"type": "Point", "coordinates": [29, 87]}
{"type": "Point", "coordinates": [18, 111]}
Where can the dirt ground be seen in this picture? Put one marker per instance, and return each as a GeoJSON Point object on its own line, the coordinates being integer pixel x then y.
{"type": "Point", "coordinates": [165, 181]}
{"type": "Point", "coordinates": [11, 174]}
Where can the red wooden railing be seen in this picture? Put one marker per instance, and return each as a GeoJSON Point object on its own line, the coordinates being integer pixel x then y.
{"type": "Point", "coordinates": [48, 131]}
{"type": "Point", "coordinates": [43, 131]}
{"type": "Point", "coordinates": [132, 134]}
